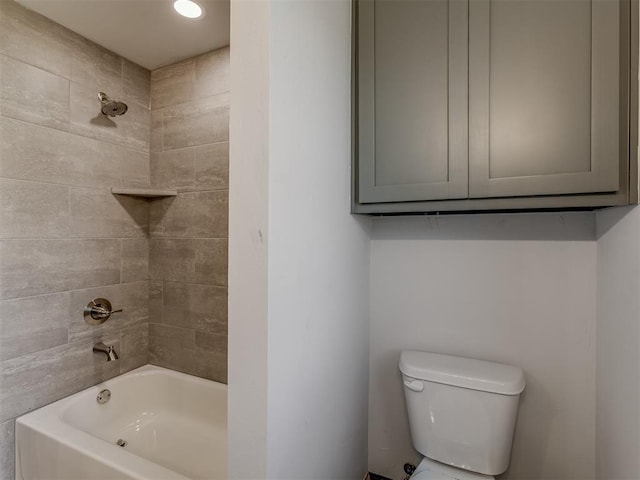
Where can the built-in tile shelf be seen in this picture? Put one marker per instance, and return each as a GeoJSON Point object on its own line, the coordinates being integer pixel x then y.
{"type": "Point", "coordinates": [144, 192]}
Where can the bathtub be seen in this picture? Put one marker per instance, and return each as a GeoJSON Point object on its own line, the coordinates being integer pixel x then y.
{"type": "Point", "coordinates": [169, 425]}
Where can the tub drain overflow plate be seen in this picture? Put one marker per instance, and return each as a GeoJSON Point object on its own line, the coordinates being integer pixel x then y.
{"type": "Point", "coordinates": [104, 396]}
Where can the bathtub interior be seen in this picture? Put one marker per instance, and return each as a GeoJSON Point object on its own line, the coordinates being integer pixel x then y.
{"type": "Point", "coordinates": [170, 419]}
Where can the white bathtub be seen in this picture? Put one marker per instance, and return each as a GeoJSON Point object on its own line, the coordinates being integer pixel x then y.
{"type": "Point", "coordinates": [174, 425]}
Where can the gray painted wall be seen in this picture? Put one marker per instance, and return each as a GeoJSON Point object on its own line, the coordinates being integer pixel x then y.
{"type": "Point", "coordinates": [318, 253]}
{"type": "Point", "coordinates": [518, 289]}
{"type": "Point", "coordinates": [299, 261]}
{"type": "Point", "coordinates": [618, 344]}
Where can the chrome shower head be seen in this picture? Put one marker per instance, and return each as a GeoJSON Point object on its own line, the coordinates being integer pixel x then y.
{"type": "Point", "coordinates": [110, 107]}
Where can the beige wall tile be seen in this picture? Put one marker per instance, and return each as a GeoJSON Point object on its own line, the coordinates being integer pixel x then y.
{"type": "Point", "coordinates": [30, 152]}
{"type": "Point", "coordinates": [33, 210]}
{"type": "Point", "coordinates": [129, 130]}
{"type": "Point", "coordinates": [211, 342]}
{"type": "Point", "coordinates": [100, 214]}
{"type": "Point", "coordinates": [199, 362]}
{"type": "Point", "coordinates": [31, 324]}
{"type": "Point", "coordinates": [134, 342]}
{"type": "Point", "coordinates": [212, 166]}
{"type": "Point", "coordinates": [96, 67]}
{"type": "Point", "coordinates": [173, 84]}
{"type": "Point", "coordinates": [190, 306]}
{"type": "Point", "coordinates": [135, 170]}
{"type": "Point", "coordinates": [172, 347]}
{"type": "Point", "coordinates": [200, 307]}
{"type": "Point", "coordinates": [7, 440]}
{"type": "Point", "coordinates": [27, 380]}
{"type": "Point", "coordinates": [197, 215]}
{"type": "Point", "coordinates": [174, 169]}
{"type": "Point", "coordinates": [215, 347]}
{"type": "Point", "coordinates": [17, 345]}
{"type": "Point", "coordinates": [135, 259]}
{"type": "Point", "coordinates": [155, 301]}
{"type": "Point", "coordinates": [184, 337]}
{"type": "Point", "coordinates": [38, 143]}
{"type": "Point", "coordinates": [196, 124]}
{"type": "Point", "coordinates": [39, 41]}
{"type": "Point", "coordinates": [210, 261]}
{"type": "Point", "coordinates": [201, 261]}
{"type": "Point", "coordinates": [176, 348]}
{"type": "Point", "coordinates": [132, 298]}
{"type": "Point", "coordinates": [171, 259]}
{"type": "Point", "coordinates": [135, 164]}
{"type": "Point", "coordinates": [155, 136]}
{"type": "Point", "coordinates": [212, 73]}
{"type": "Point", "coordinates": [136, 83]}
{"type": "Point", "coordinates": [33, 95]}
{"type": "Point", "coordinates": [35, 267]}
{"type": "Point", "coordinates": [34, 39]}
{"type": "Point", "coordinates": [157, 209]}
{"type": "Point", "coordinates": [136, 125]}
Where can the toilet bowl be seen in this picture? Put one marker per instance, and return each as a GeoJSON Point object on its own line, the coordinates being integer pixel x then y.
{"type": "Point", "coordinates": [462, 414]}
{"type": "Point", "coordinates": [431, 470]}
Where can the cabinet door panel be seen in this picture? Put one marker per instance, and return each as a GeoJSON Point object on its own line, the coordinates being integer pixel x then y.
{"type": "Point", "coordinates": [544, 83]}
{"type": "Point", "coordinates": [412, 100]}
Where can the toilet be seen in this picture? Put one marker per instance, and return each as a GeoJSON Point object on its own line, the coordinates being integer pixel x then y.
{"type": "Point", "coordinates": [462, 414]}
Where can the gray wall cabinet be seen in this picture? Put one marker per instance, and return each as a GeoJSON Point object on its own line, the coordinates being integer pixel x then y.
{"type": "Point", "coordinates": [493, 104]}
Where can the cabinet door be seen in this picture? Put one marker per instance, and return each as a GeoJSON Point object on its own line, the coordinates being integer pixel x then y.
{"type": "Point", "coordinates": [412, 100]}
{"type": "Point", "coordinates": [544, 97]}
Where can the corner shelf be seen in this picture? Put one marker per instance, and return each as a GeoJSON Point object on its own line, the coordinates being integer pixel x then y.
{"type": "Point", "coordinates": [149, 193]}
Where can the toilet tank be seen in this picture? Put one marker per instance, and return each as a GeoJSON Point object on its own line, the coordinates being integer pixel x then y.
{"type": "Point", "coordinates": [462, 412]}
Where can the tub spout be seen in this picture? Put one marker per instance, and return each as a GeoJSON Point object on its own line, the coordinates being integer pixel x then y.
{"type": "Point", "coordinates": [108, 350]}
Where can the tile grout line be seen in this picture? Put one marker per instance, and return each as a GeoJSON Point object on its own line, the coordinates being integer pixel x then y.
{"type": "Point", "coordinates": [121, 77]}
{"type": "Point", "coordinates": [193, 101]}
{"type": "Point", "coordinates": [190, 329]}
{"type": "Point", "coordinates": [68, 210]}
{"type": "Point", "coordinates": [179, 282]}
{"type": "Point", "coordinates": [8, 55]}
{"type": "Point", "coordinates": [37, 239]}
{"type": "Point", "coordinates": [162, 302]}
{"type": "Point", "coordinates": [69, 132]}
{"type": "Point", "coordinates": [75, 290]}
{"type": "Point", "coordinates": [74, 133]}
{"type": "Point", "coordinates": [195, 173]}
{"type": "Point", "coordinates": [121, 260]}
{"type": "Point", "coordinates": [72, 342]}
{"type": "Point", "coordinates": [92, 188]}
{"type": "Point", "coordinates": [187, 147]}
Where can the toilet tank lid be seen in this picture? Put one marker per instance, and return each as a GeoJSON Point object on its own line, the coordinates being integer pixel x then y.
{"type": "Point", "coordinates": [463, 372]}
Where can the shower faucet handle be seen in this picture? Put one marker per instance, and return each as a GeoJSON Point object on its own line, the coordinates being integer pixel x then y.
{"type": "Point", "coordinates": [98, 311]}
{"type": "Point", "coordinates": [102, 312]}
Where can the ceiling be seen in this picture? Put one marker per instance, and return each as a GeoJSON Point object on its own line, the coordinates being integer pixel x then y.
{"type": "Point", "coordinates": [147, 32]}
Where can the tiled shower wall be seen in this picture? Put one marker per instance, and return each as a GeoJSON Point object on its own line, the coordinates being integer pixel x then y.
{"type": "Point", "coordinates": [64, 239]}
{"type": "Point", "coordinates": [188, 245]}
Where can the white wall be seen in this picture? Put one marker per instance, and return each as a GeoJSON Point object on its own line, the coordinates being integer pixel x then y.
{"type": "Point", "coordinates": [517, 289]}
{"type": "Point", "coordinates": [315, 316]}
{"type": "Point", "coordinates": [248, 235]}
{"type": "Point", "coordinates": [618, 344]}
{"type": "Point", "coordinates": [318, 252]}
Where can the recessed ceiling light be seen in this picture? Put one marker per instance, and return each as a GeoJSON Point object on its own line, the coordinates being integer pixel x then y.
{"type": "Point", "coordinates": [187, 8]}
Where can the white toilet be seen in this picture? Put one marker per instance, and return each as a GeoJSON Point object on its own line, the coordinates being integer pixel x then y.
{"type": "Point", "coordinates": [462, 414]}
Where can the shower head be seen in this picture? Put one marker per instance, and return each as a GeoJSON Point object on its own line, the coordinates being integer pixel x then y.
{"type": "Point", "coordinates": [110, 107]}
